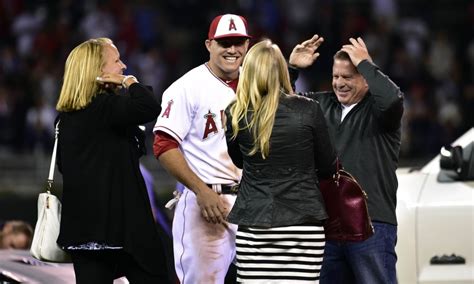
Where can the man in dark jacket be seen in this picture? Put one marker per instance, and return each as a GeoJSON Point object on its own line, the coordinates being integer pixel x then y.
{"type": "Point", "coordinates": [363, 114]}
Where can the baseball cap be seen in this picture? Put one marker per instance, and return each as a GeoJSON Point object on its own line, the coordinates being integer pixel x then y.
{"type": "Point", "coordinates": [228, 25]}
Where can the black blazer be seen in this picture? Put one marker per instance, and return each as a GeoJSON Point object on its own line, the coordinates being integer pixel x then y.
{"type": "Point", "coordinates": [283, 189]}
{"type": "Point", "coordinates": [104, 194]}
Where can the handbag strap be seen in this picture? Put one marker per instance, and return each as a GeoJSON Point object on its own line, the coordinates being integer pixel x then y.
{"type": "Point", "coordinates": [53, 158]}
{"type": "Point", "coordinates": [337, 175]}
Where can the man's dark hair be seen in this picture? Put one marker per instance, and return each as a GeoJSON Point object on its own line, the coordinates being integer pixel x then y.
{"type": "Point", "coordinates": [342, 55]}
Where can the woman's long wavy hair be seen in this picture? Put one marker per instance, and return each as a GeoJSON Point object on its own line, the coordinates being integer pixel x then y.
{"type": "Point", "coordinates": [82, 67]}
{"type": "Point", "coordinates": [263, 78]}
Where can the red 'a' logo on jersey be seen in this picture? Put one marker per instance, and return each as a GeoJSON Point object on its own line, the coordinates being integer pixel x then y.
{"type": "Point", "coordinates": [166, 113]}
{"type": "Point", "coordinates": [210, 124]}
{"type": "Point", "coordinates": [232, 25]}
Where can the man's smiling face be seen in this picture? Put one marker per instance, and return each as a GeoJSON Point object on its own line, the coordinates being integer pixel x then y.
{"type": "Point", "coordinates": [226, 56]}
{"type": "Point", "coordinates": [350, 87]}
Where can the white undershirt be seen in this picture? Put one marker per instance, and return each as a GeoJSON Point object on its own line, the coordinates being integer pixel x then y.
{"type": "Point", "coordinates": [346, 110]}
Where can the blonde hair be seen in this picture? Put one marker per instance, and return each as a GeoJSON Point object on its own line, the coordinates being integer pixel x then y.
{"type": "Point", "coordinates": [263, 78]}
{"type": "Point", "coordinates": [83, 65]}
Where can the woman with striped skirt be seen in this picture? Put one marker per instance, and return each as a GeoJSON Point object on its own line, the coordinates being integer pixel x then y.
{"type": "Point", "coordinates": [281, 142]}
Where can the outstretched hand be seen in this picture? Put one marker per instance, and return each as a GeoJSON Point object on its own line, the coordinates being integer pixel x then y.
{"type": "Point", "coordinates": [357, 51]}
{"type": "Point", "coordinates": [304, 54]}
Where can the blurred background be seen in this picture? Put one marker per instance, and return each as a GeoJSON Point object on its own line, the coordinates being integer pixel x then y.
{"type": "Point", "coordinates": [425, 46]}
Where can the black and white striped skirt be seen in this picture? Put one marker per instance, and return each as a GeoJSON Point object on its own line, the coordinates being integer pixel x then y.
{"type": "Point", "coordinates": [292, 254]}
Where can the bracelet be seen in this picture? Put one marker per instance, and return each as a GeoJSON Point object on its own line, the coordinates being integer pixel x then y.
{"type": "Point", "coordinates": [126, 78]}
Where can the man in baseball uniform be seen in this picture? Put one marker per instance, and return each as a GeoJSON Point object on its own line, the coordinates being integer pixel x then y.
{"type": "Point", "coordinates": [191, 146]}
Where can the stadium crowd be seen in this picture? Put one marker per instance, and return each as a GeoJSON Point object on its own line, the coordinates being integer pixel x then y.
{"type": "Point", "coordinates": [426, 46]}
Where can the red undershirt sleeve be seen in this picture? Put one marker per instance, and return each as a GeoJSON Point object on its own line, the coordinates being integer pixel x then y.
{"type": "Point", "coordinates": [163, 142]}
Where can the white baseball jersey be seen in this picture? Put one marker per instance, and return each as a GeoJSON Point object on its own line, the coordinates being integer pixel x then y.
{"type": "Point", "coordinates": [192, 113]}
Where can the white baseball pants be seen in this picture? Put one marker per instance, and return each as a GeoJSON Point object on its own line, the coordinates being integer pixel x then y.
{"type": "Point", "coordinates": [203, 251]}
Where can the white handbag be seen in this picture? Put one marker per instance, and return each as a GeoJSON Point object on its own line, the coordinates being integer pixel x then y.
{"type": "Point", "coordinates": [44, 246]}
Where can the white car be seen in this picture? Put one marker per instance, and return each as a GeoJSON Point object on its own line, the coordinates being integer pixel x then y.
{"type": "Point", "coordinates": [436, 223]}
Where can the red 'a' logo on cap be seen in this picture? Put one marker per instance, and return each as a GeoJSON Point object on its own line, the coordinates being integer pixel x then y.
{"type": "Point", "coordinates": [232, 25]}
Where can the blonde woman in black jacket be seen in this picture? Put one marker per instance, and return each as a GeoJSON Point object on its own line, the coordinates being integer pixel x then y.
{"type": "Point", "coordinates": [281, 141]}
{"type": "Point", "coordinates": [107, 223]}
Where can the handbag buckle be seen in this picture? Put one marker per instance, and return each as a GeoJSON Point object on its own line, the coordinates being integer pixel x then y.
{"type": "Point", "coordinates": [336, 178]}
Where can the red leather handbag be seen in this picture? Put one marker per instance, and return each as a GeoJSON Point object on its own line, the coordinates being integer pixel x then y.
{"type": "Point", "coordinates": [346, 205]}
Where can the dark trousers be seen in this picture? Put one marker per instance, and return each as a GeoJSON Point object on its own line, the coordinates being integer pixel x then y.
{"type": "Point", "coordinates": [370, 261]}
{"type": "Point", "coordinates": [104, 266]}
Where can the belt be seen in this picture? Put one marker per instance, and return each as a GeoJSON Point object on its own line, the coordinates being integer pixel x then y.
{"type": "Point", "coordinates": [224, 189]}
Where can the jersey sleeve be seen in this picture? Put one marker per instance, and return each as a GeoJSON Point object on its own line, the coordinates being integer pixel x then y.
{"type": "Point", "coordinates": [177, 113]}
